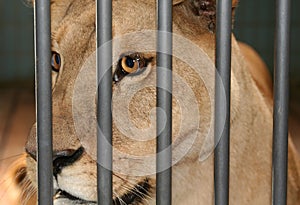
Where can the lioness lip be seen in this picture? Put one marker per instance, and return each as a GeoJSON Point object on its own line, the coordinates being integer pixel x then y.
{"type": "Point", "coordinates": [63, 194]}
{"type": "Point", "coordinates": [136, 194]}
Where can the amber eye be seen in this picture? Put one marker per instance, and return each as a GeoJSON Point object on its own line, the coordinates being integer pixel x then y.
{"type": "Point", "coordinates": [55, 61]}
{"type": "Point", "coordinates": [132, 64]}
{"type": "Point", "coordinates": [129, 64]}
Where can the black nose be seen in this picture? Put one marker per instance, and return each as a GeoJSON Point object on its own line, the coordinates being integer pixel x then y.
{"type": "Point", "coordinates": [62, 158]}
{"type": "Point", "coordinates": [65, 158]}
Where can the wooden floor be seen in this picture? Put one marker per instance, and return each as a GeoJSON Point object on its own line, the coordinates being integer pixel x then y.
{"type": "Point", "coordinates": [17, 114]}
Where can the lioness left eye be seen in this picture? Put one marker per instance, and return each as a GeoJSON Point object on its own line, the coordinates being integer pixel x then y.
{"type": "Point", "coordinates": [55, 61]}
{"type": "Point", "coordinates": [129, 64]}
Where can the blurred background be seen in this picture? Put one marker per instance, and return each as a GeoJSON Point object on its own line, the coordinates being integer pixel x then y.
{"type": "Point", "coordinates": [254, 25]}
{"type": "Point", "coordinates": [17, 112]}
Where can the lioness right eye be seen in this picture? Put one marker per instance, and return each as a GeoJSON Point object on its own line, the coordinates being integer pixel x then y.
{"type": "Point", "coordinates": [55, 62]}
{"type": "Point", "coordinates": [130, 64]}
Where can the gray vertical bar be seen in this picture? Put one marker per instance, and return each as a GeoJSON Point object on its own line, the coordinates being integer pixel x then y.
{"type": "Point", "coordinates": [164, 104]}
{"type": "Point", "coordinates": [223, 65]}
{"type": "Point", "coordinates": [281, 99]}
{"type": "Point", "coordinates": [43, 101]}
{"type": "Point", "coordinates": [104, 115]}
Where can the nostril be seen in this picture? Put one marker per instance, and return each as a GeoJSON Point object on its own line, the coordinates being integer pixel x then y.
{"type": "Point", "coordinates": [64, 153]}
{"type": "Point", "coordinates": [61, 159]}
{"type": "Point", "coordinates": [65, 158]}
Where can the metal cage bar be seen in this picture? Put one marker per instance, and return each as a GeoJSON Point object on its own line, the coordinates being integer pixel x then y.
{"type": "Point", "coordinates": [43, 101]}
{"type": "Point", "coordinates": [281, 96]}
{"type": "Point", "coordinates": [223, 66]}
{"type": "Point", "coordinates": [164, 104]}
{"type": "Point", "coordinates": [104, 115]}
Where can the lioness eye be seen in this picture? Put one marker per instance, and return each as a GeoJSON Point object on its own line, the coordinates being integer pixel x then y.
{"type": "Point", "coordinates": [55, 61]}
{"type": "Point", "coordinates": [129, 64]}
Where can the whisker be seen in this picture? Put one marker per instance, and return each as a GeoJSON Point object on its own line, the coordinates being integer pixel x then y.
{"type": "Point", "coordinates": [16, 181]}
{"type": "Point", "coordinates": [11, 157]}
{"type": "Point", "coordinates": [28, 190]}
{"type": "Point", "coordinates": [137, 192]}
{"type": "Point", "coordinates": [135, 189]}
{"type": "Point", "coordinates": [137, 186]}
{"type": "Point", "coordinates": [27, 195]}
{"type": "Point", "coordinates": [134, 185]}
{"type": "Point", "coordinates": [119, 199]}
{"type": "Point", "coordinates": [9, 183]}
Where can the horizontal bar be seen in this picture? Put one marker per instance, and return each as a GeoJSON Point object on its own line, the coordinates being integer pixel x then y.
{"type": "Point", "coordinates": [164, 104]}
{"type": "Point", "coordinates": [281, 101]}
{"type": "Point", "coordinates": [223, 66]}
{"type": "Point", "coordinates": [43, 101]}
{"type": "Point", "coordinates": [104, 115]}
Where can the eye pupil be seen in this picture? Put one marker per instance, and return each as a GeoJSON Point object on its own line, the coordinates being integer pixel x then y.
{"type": "Point", "coordinates": [129, 62]}
{"type": "Point", "coordinates": [57, 59]}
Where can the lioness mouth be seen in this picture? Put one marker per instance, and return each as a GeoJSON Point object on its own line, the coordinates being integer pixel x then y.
{"type": "Point", "coordinates": [65, 195]}
{"type": "Point", "coordinates": [136, 194]}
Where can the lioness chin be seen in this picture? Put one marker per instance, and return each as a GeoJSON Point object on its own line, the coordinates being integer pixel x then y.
{"type": "Point", "coordinates": [134, 101]}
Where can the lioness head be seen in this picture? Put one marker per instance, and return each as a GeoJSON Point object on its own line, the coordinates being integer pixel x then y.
{"type": "Point", "coordinates": [134, 100]}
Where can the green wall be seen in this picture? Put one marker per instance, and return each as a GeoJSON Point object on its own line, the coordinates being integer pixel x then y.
{"type": "Point", "coordinates": [255, 23]}
{"type": "Point", "coordinates": [16, 50]}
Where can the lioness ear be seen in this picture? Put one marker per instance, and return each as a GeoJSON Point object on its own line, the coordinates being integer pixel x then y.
{"type": "Point", "coordinates": [203, 10]}
{"type": "Point", "coordinates": [199, 2]}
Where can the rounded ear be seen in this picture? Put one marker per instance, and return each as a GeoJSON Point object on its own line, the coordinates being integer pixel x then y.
{"type": "Point", "coordinates": [203, 11]}
{"type": "Point", "coordinates": [203, 3]}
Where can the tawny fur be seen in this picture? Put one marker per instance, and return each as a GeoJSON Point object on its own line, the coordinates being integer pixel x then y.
{"type": "Point", "coordinates": [73, 36]}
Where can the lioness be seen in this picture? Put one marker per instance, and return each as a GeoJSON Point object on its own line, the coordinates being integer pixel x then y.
{"type": "Point", "coordinates": [134, 100]}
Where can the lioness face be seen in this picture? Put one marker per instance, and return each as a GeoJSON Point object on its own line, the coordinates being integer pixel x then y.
{"type": "Point", "coordinates": [134, 97]}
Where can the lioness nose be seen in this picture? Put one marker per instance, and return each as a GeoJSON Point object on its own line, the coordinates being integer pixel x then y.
{"type": "Point", "coordinates": [64, 158]}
